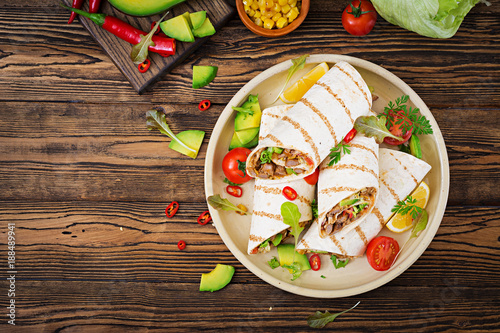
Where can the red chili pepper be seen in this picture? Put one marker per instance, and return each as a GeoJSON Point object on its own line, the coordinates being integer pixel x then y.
{"type": "Point", "coordinates": [204, 218]}
{"type": "Point", "coordinates": [181, 245]}
{"type": "Point", "coordinates": [315, 262]}
{"type": "Point", "coordinates": [172, 209]}
{"type": "Point", "coordinates": [157, 29]}
{"type": "Point", "coordinates": [77, 4]}
{"type": "Point", "coordinates": [94, 6]}
{"type": "Point", "coordinates": [235, 191]}
{"type": "Point", "coordinates": [144, 66]}
{"type": "Point", "coordinates": [204, 105]}
{"type": "Point", "coordinates": [162, 45]}
{"type": "Point", "coordinates": [350, 135]}
{"type": "Point", "coordinates": [289, 193]}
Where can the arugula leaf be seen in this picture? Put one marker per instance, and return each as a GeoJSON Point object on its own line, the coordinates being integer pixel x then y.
{"type": "Point", "coordinates": [337, 152]}
{"type": "Point", "coordinates": [156, 120]}
{"type": "Point", "coordinates": [227, 181]}
{"type": "Point", "coordinates": [140, 51]}
{"type": "Point", "coordinates": [297, 64]}
{"type": "Point", "coordinates": [274, 263]}
{"type": "Point", "coordinates": [223, 204]}
{"type": "Point", "coordinates": [407, 206]}
{"type": "Point", "coordinates": [418, 225]}
{"type": "Point", "coordinates": [291, 216]}
{"type": "Point", "coordinates": [374, 127]}
{"type": "Point", "coordinates": [314, 207]}
{"type": "Point", "coordinates": [319, 319]}
{"type": "Point", "coordinates": [295, 270]}
{"type": "Point", "coordinates": [266, 155]}
{"type": "Point", "coordinates": [338, 263]}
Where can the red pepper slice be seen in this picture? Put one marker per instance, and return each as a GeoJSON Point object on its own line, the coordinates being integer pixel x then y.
{"type": "Point", "coordinates": [289, 193]}
{"type": "Point", "coordinates": [352, 133]}
{"type": "Point", "coordinates": [315, 262]}
{"type": "Point", "coordinates": [204, 105]}
{"type": "Point", "coordinates": [181, 245]}
{"type": "Point", "coordinates": [172, 209]}
{"type": "Point", "coordinates": [204, 218]}
{"type": "Point", "coordinates": [235, 191]}
{"type": "Point", "coordinates": [157, 29]}
{"type": "Point", "coordinates": [143, 67]}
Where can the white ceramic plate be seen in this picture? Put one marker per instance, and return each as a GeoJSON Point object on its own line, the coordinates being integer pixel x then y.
{"type": "Point", "coordinates": [357, 277]}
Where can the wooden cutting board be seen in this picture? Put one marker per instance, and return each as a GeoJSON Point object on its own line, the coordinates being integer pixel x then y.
{"type": "Point", "coordinates": [118, 50]}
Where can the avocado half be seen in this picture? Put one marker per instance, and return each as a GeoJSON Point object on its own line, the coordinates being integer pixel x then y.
{"type": "Point", "coordinates": [143, 7]}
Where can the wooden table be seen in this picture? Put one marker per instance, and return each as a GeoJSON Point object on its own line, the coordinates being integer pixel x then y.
{"type": "Point", "coordinates": [86, 184]}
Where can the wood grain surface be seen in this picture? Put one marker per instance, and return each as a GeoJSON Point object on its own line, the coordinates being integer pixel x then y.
{"type": "Point", "coordinates": [86, 184]}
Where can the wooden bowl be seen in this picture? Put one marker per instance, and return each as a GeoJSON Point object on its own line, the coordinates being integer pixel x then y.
{"type": "Point", "coordinates": [273, 32]}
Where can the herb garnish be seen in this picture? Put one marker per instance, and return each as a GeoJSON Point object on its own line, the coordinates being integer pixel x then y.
{"type": "Point", "coordinates": [223, 204]}
{"type": "Point", "coordinates": [140, 51]}
{"type": "Point", "coordinates": [323, 277]}
{"type": "Point", "coordinates": [227, 181]}
{"type": "Point", "coordinates": [314, 207]}
{"type": "Point", "coordinates": [411, 119]}
{"type": "Point", "coordinates": [274, 263]}
{"type": "Point", "coordinates": [155, 120]}
{"type": "Point", "coordinates": [297, 63]}
{"type": "Point", "coordinates": [374, 127]}
{"type": "Point", "coordinates": [319, 319]}
{"type": "Point", "coordinates": [338, 263]}
{"type": "Point", "coordinates": [242, 166]}
{"type": "Point", "coordinates": [409, 205]}
{"type": "Point", "coordinates": [337, 152]}
{"type": "Point", "coordinates": [266, 155]}
{"type": "Point", "coordinates": [243, 110]}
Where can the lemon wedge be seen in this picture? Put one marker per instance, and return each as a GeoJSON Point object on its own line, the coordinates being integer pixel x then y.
{"type": "Point", "coordinates": [295, 92]}
{"type": "Point", "coordinates": [400, 223]}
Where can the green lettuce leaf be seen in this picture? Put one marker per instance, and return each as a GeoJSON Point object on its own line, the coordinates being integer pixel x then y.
{"type": "Point", "coordinates": [431, 18]}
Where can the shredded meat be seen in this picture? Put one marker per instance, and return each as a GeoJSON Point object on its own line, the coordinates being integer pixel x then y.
{"type": "Point", "coordinates": [288, 158]}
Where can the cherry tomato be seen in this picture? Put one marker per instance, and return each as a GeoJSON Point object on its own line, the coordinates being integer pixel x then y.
{"type": "Point", "coordinates": [234, 163]}
{"type": "Point", "coordinates": [289, 193]}
{"type": "Point", "coordinates": [181, 245]}
{"type": "Point", "coordinates": [315, 262]}
{"type": "Point", "coordinates": [359, 18]}
{"type": "Point", "coordinates": [204, 218]}
{"type": "Point", "coordinates": [235, 191]}
{"type": "Point", "coordinates": [397, 130]}
{"type": "Point", "coordinates": [349, 136]}
{"type": "Point", "coordinates": [172, 209]}
{"type": "Point", "coordinates": [381, 252]}
{"type": "Point", "coordinates": [204, 105]}
{"type": "Point", "coordinates": [312, 179]}
{"type": "Point", "coordinates": [144, 66]}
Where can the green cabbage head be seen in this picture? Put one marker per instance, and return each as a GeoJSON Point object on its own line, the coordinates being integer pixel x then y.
{"type": "Point", "coordinates": [431, 18]}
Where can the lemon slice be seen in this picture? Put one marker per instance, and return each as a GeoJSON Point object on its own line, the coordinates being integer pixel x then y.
{"type": "Point", "coordinates": [295, 92]}
{"type": "Point", "coordinates": [400, 223]}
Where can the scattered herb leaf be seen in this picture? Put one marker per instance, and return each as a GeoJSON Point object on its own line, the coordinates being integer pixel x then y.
{"type": "Point", "coordinates": [242, 167]}
{"type": "Point", "coordinates": [264, 243]}
{"type": "Point", "coordinates": [156, 120]}
{"type": "Point", "coordinates": [407, 206]}
{"type": "Point", "coordinates": [323, 277]}
{"type": "Point", "coordinates": [314, 207]}
{"type": "Point", "coordinates": [295, 270]}
{"type": "Point", "coordinates": [227, 181]}
{"type": "Point", "coordinates": [337, 152]}
{"type": "Point", "coordinates": [274, 263]}
{"type": "Point", "coordinates": [223, 204]}
{"type": "Point", "coordinates": [419, 123]}
{"type": "Point", "coordinates": [297, 63]}
{"type": "Point", "coordinates": [374, 127]}
{"type": "Point", "coordinates": [243, 110]}
{"type": "Point", "coordinates": [140, 50]}
{"type": "Point", "coordinates": [338, 263]}
{"type": "Point", "coordinates": [319, 319]}
{"type": "Point", "coordinates": [291, 216]}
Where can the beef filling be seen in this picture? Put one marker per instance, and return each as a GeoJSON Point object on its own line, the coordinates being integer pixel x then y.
{"type": "Point", "coordinates": [279, 165]}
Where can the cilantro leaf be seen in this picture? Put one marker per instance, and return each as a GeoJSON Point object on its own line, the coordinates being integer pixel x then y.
{"type": "Point", "coordinates": [407, 206]}
{"type": "Point", "coordinates": [319, 319]}
{"type": "Point", "coordinates": [338, 263]}
{"type": "Point", "coordinates": [314, 207]}
{"type": "Point", "coordinates": [337, 152]}
{"type": "Point", "coordinates": [274, 263]}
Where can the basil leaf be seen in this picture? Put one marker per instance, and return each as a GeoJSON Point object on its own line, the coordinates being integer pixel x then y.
{"type": "Point", "coordinates": [374, 127]}
{"type": "Point", "coordinates": [223, 204]}
{"type": "Point", "coordinates": [297, 64]}
{"type": "Point", "coordinates": [319, 319]}
{"type": "Point", "coordinates": [140, 51]}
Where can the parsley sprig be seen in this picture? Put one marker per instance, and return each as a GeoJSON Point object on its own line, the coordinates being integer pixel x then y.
{"type": "Point", "coordinates": [337, 152]}
{"type": "Point", "coordinates": [407, 206]}
{"type": "Point", "coordinates": [411, 119]}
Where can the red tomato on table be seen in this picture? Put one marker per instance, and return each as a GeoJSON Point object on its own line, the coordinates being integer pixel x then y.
{"type": "Point", "coordinates": [381, 252]}
{"type": "Point", "coordinates": [358, 18]}
{"type": "Point", "coordinates": [233, 165]}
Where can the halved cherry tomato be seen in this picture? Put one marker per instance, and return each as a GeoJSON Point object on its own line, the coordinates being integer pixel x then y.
{"type": "Point", "coordinates": [181, 245]}
{"type": "Point", "coordinates": [235, 191]}
{"type": "Point", "coordinates": [315, 262]}
{"type": "Point", "coordinates": [172, 209]}
{"type": "Point", "coordinates": [381, 252]}
{"type": "Point", "coordinates": [359, 17]}
{"type": "Point", "coordinates": [349, 136]}
{"type": "Point", "coordinates": [204, 218]}
{"type": "Point", "coordinates": [234, 163]}
{"type": "Point", "coordinates": [396, 128]}
{"type": "Point", "coordinates": [144, 66]}
{"type": "Point", "coordinates": [289, 193]}
{"type": "Point", "coordinates": [204, 105]}
{"type": "Point", "coordinates": [312, 179]}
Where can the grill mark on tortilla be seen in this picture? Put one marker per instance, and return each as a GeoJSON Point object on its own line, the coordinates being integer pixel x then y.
{"type": "Point", "coordinates": [306, 136]}
{"type": "Point", "coordinates": [271, 115]}
{"type": "Point", "coordinates": [393, 193]}
{"type": "Point", "coordinates": [268, 215]}
{"type": "Point", "coordinates": [330, 91]}
{"type": "Point", "coordinates": [379, 216]}
{"type": "Point", "coordinates": [338, 189]}
{"type": "Point", "coordinates": [322, 116]}
{"type": "Point", "coordinates": [404, 167]}
{"type": "Point", "coordinates": [254, 238]}
{"type": "Point", "coordinates": [355, 82]}
{"type": "Point", "coordinates": [304, 243]}
{"type": "Point", "coordinates": [273, 139]}
{"type": "Point", "coordinates": [337, 244]}
{"type": "Point", "coordinates": [355, 145]}
{"type": "Point", "coordinates": [277, 191]}
{"type": "Point", "coordinates": [361, 235]}
{"type": "Point", "coordinates": [352, 166]}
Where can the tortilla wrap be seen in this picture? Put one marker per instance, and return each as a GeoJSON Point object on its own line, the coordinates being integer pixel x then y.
{"type": "Point", "coordinates": [314, 125]}
{"type": "Point", "coordinates": [399, 175]}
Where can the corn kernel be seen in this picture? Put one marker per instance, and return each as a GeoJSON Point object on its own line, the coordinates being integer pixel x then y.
{"type": "Point", "coordinates": [269, 4]}
{"type": "Point", "coordinates": [292, 3]}
{"type": "Point", "coordinates": [257, 14]}
{"type": "Point", "coordinates": [292, 15]}
{"type": "Point", "coordinates": [254, 5]}
{"type": "Point", "coordinates": [268, 13]}
{"type": "Point", "coordinates": [247, 2]}
{"type": "Point", "coordinates": [251, 12]}
{"type": "Point", "coordinates": [295, 9]}
{"type": "Point", "coordinates": [268, 24]}
{"type": "Point", "coordinates": [243, 208]}
{"type": "Point", "coordinates": [277, 7]}
{"type": "Point", "coordinates": [276, 17]}
{"type": "Point", "coordinates": [258, 21]}
{"type": "Point", "coordinates": [246, 8]}
{"type": "Point", "coordinates": [282, 2]}
{"type": "Point", "coordinates": [285, 9]}
{"type": "Point", "coordinates": [281, 23]}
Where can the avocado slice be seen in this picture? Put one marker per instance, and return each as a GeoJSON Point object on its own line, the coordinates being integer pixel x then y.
{"type": "Point", "coordinates": [143, 7]}
{"type": "Point", "coordinates": [198, 18]}
{"type": "Point", "coordinates": [203, 75]}
{"type": "Point", "coordinates": [187, 16]}
{"type": "Point", "coordinates": [206, 29]}
{"type": "Point", "coordinates": [244, 120]}
{"type": "Point", "coordinates": [178, 28]}
{"type": "Point", "coordinates": [217, 279]}
{"type": "Point", "coordinates": [192, 138]}
{"type": "Point", "coordinates": [244, 138]}
{"type": "Point", "coordinates": [286, 256]}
